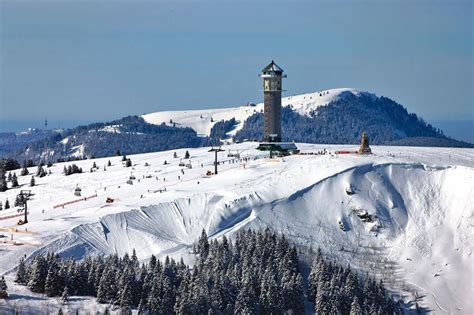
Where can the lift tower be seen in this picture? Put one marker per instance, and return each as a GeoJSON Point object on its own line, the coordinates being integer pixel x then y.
{"type": "Point", "coordinates": [215, 150]}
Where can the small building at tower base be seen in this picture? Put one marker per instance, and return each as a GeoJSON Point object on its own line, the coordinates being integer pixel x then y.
{"type": "Point", "coordinates": [280, 148]}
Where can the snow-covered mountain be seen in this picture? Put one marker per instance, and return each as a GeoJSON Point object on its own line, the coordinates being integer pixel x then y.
{"type": "Point", "coordinates": [404, 214]}
{"type": "Point", "coordinates": [203, 120]}
{"type": "Point", "coordinates": [337, 116]}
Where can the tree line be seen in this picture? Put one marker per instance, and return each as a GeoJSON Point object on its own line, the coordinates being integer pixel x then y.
{"type": "Point", "coordinates": [257, 273]}
{"type": "Point", "coordinates": [343, 120]}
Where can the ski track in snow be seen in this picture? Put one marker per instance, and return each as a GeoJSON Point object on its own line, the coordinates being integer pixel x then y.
{"type": "Point", "coordinates": [420, 200]}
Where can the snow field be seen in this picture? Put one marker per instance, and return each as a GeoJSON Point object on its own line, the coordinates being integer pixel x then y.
{"type": "Point", "coordinates": [419, 201]}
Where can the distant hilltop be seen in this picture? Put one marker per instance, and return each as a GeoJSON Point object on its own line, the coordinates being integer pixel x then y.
{"type": "Point", "coordinates": [202, 120]}
{"type": "Point", "coordinates": [335, 116]}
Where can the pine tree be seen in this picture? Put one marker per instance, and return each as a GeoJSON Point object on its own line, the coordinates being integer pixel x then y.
{"type": "Point", "coordinates": [126, 299]}
{"type": "Point", "coordinates": [323, 274]}
{"type": "Point", "coordinates": [65, 296]}
{"type": "Point", "coordinates": [52, 283]}
{"type": "Point", "coordinates": [107, 290]}
{"type": "Point", "coordinates": [21, 273]}
{"type": "Point", "coordinates": [175, 155]}
{"type": "Point", "coordinates": [314, 276]}
{"type": "Point", "coordinates": [32, 181]}
{"type": "Point", "coordinates": [40, 171]}
{"type": "Point", "coordinates": [142, 307]}
{"type": "Point", "coordinates": [94, 165]}
{"type": "Point", "coordinates": [168, 299]}
{"type": "Point", "coordinates": [203, 246]}
{"type": "Point", "coordinates": [351, 287]}
{"type": "Point", "coordinates": [3, 180]}
{"type": "Point", "coordinates": [128, 163]}
{"type": "Point", "coordinates": [60, 312]}
{"type": "Point", "coordinates": [294, 294]}
{"type": "Point", "coordinates": [9, 178]}
{"type": "Point", "coordinates": [124, 158]}
{"type": "Point", "coordinates": [14, 180]}
{"type": "Point", "coordinates": [1, 206]}
{"type": "Point", "coordinates": [154, 300]}
{"type": "Point", "coordinates": [38, 275]}
{"type": "Point", "coordinates": [109, 163]}
{"type": "Point", "coordinates": [3, 288]}
{"type": "Point", "coordinates": [19, 200]}
{"type": "Point", "coordinates": [246, 302]}
{"type": "Point", "coordinates": [24, 171]}
{"type": "Point", "coordinates": [270, 299]}
{"type": "Point", "coordinates": [186, 155]}
{"type": "Point", "coordinates": [7, 204]}
{"type": "Point", "coordinates": [183, 303]}
{"type": "Point", "coordinates": [355, 307]}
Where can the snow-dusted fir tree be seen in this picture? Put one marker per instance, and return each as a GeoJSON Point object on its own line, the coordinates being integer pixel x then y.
{"type": "Point", "coordinates": [270, 298]}
{"type": "Point", "coordinates": [21, 273]}
{"type": "Point", "coordinates": [19, 200]}
{"type": "Point", "coordinates": [246, 302]}
{"type": "Point", "coordinates": [65, 295]}
{"type": "Point", "coordinates": [32, 181]}
{"type": "Point", "coordinates": [14, 180]}
{"type": "Point", "coordinates": [38, 274]}
{"type": "Point", "coordinates": [202, 247]}
{"type": "Point", "coordinates": [3, 288]}
{"type": "Point", "coordinates": [52, 286]}
{"type": "Point", "coordinates": [355, 307]}
{"type": "Point", "coordinates": [154, 299]}
{"type": "Point", "coordinates": [126, 296]}
{"type": "Point", "coordinates": [40, 172]}
{"type": "Point", "coordinates": [24, 170]}
{"type": "Point", "coordinates": [3, 180]}
{"type": "Point", "coordinates": [107, 290]}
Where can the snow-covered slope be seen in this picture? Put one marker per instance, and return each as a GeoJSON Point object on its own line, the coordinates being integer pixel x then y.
{"type": "Point", "coordinates": [407, 212]}
{"type": "Point", "coordinates": [203, 120]}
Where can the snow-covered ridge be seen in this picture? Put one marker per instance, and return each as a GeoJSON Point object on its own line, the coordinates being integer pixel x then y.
{"type": "Point", "coordinates": [403, 207]}
{"type": "Point", "coordinates": [202, 120]}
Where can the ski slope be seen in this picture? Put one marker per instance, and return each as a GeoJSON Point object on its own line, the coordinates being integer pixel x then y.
{"type": "Point", "coordinates": [202, 121]}
{"type": "Point", "coordinates": [402, 213]}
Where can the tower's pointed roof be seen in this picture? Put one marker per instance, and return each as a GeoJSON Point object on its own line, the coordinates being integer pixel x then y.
{"type": "Point", "coordinates": [272, 67]}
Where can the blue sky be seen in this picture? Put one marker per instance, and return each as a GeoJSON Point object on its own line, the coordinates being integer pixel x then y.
{"type": "Point", "coordinates": [85, 61]}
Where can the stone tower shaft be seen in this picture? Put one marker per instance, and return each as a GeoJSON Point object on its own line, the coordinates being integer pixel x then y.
{"type": "Point", "coordinates": [272, 76]}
